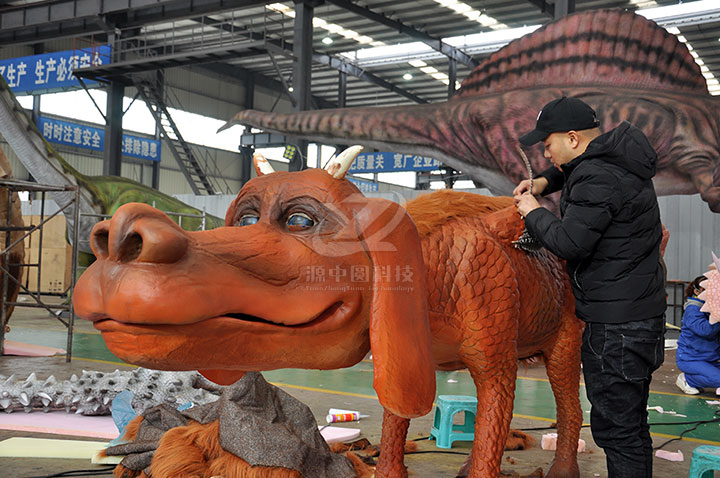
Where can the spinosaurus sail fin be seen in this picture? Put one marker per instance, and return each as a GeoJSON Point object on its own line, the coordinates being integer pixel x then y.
{"type": "Point", "coordinates": [595, 48]}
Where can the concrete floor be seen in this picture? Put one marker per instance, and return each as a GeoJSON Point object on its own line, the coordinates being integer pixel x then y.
{"type": "Point", "coordinates": [351, 389]}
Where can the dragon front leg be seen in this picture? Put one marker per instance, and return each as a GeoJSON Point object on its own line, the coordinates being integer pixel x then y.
{"type": "Point", "coordinates": [562, 361]}
{"type": "Point", "coordinates": [392, 447]}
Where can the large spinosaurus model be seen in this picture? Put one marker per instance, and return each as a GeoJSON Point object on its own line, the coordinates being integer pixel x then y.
{"type": "Point", "coordinates": [308, 273]}
{"type": "Point", "coordinates": [98, 194]}
{"type": "Point", "coordinates": [623, 65]}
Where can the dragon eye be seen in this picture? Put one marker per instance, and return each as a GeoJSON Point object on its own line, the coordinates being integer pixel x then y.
{"type": "Point", "coordinates": [248, 220]}
{"type": "Point", "coordinates": [299, 222]}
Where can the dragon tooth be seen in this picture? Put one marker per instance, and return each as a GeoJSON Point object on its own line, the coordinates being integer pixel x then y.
{"type": "Point", "coordinates": [31, 378]}
{"type": "Point", "coordinates": [28, 409]}
{"type": "Point", "coordinates": [50, 381]}
{"type": "Point", "coordinates": [95, 407]}
{"type": "Point", "coordinates": [5, 403]}
{"type": "Point", "coordinates": [76, 398]}
{"type": "Point", "coordinates": [44, 396]}
{"type": "Point", "coordinates": [68, 409]}
{"type": "Point", "coordinates": [106, 399]}
{"type": "Point", "coordinates": [24, 399]}
{"type": "Point", "coordinates": [46, 409]}
{"type": "Point", "coordinates": [10, 381]}
{"type": "Point", "coordinates": [74, 378]}
{"type": "Point", "coordinates": [90, 399]}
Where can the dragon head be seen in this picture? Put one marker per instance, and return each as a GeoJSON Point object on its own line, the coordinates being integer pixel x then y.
{"type": "Point", "coordinates": [306, 273]}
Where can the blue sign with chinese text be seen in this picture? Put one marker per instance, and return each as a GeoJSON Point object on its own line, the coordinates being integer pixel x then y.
{"type": "Point", "coordinates": [89, 137]}
{"type": "Point", "coordinates": [51, 70]}
{"type": "Point", "coordinates": [364, 186]}
{"type": "Point", "coordinates": [392, 162]}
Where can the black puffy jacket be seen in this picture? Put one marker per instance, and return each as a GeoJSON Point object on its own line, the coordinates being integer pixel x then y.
{"type": "Point", "coordinates": [610, 230]}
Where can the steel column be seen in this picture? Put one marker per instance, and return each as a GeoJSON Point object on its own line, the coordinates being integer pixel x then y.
{"type": "Point", "coordinates": [563, 8]}
{"type": "Point", "coordinates": [342, 89]}
{"type": "Point", "coordinates": [246, 159]}
{"type": "Point", "coordinates": [452, 77]}
{"type": "Point", "coordinates": [112, 159]}
{"type": "Point", "coordinates": [302, 50]}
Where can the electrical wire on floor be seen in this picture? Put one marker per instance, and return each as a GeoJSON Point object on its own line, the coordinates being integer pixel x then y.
{"type": "Point", "coordinates": [106, 470]}
{"type": "Point", "coordinates": [697, 423]}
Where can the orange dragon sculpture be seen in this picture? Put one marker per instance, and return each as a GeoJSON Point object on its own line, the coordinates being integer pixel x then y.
{"type": "Point", "coordinates": [308, 273]}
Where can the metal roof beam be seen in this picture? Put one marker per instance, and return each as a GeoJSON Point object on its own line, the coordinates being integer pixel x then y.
{"type": "Point", "coordinates": [351, 69]}
{"type": "Point", "coordinates": [435, 43]}
{"type": "Point", "coordinates": [41, 21]}
{"type": "Point", "coordinates": [237, 72]}
{"type": "Point", "coordinates": [333, 62]}
{"type": "Point", "coordinates": [544, 7]}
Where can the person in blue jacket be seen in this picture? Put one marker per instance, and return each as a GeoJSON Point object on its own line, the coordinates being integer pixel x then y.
{"type": "Point", "coordinates": [698, 353]}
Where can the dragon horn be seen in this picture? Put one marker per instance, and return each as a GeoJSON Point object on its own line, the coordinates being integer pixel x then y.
{"type": "Point", "coordinates": [262, 166]}
{"type": "Point", "coordinates": [340, 164]}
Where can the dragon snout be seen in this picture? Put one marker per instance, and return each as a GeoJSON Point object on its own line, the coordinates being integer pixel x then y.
{"type": "Point", "coordinates": [139, 233]}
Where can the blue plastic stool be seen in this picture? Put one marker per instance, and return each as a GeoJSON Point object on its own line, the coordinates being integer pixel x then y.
{"type": "Point", "coordinates": [705, 459]}
{"type": "Point", "coordinates": [443, 430]}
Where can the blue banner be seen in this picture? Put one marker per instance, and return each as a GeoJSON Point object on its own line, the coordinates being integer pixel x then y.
{"type": "Point", "coordinates": [364, 186]}
{"type": "Point", "coordinates": [392, 162]}
{"type": "Point", "coordinates": [51, 71]}
{"type": "Point", "coordinates": [89, 137]}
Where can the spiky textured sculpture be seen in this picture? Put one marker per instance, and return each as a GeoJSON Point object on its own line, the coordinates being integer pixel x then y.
{"type": "Point", "coordinates": [625, 66]}
{"type": "Point", "coordinates": [93, 392]}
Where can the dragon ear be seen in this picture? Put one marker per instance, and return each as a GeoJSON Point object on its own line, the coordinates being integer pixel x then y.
{"type": "Point", "coordinates": [262, 167]}
{"type": "Point", "coordinates": [339, 165]}
{"type": "Point", "coordinates": [404, 372]}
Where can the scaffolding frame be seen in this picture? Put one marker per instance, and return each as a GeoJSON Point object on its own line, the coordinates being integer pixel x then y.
{"type": "Point", "coordinates": [73, 207]}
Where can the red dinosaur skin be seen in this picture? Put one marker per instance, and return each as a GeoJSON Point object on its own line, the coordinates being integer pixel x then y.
{"type": "Point", "coordinates": [240, 298]}
{"type": "Point", "coordinates": [623, 65]}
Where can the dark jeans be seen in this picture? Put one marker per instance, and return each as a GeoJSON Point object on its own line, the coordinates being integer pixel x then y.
{"type": "Point", "coordinates": [618, 361]}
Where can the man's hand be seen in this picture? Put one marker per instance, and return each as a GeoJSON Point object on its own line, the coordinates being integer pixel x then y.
{"type": "Point", "coordinates": [525, 203]}
{"type": "Point", "coordinates": [539, 185]}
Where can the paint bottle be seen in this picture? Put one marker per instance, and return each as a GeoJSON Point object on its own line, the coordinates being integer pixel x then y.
{"type": "Point", "coordinates": [344, 417]}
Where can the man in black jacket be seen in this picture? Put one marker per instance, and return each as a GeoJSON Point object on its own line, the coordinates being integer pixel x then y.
{"type": "Point", "coordinates": [610, 235]}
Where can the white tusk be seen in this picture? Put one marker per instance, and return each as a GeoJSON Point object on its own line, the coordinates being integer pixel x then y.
{"type": "Point", "coordinates": [262, 167]}
{"type": "Point", "coordinates": [338, 166]}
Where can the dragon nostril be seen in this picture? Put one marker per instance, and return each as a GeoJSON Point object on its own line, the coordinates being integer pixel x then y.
{"type": "Point", "coordinates": [130, 248]}
{"type": "Point", "coordinates": [100, 242]}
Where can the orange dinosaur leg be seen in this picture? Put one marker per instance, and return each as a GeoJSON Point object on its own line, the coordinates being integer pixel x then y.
{"type": "Point", "coordinates": [494, 376]}
{"type": "Point", "coordinates": [562, 360]}
{"type": "Point", "coordinates": [392, 447]}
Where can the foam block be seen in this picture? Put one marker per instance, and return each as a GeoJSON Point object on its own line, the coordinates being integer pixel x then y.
{"type": "Point", "coordinates": [669, 455]}
{"type": "Point", "coordinates": [49, 448]}
{"type": "Point", "coordinates": [30, 350]}
{"type": "Point", "coordinates": [60, 422]}
{"type": "Point", "coordinates": [339, 434]}
{"type": "Point", "coordinates": [549, 442]}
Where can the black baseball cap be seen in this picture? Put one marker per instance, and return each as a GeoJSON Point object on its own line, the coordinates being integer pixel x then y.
{"type": "Point", "coordinates": [563, 114]}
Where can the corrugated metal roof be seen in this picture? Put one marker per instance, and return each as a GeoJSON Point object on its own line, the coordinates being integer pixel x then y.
{"type": "Point", "coordinates": [437, 18]}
